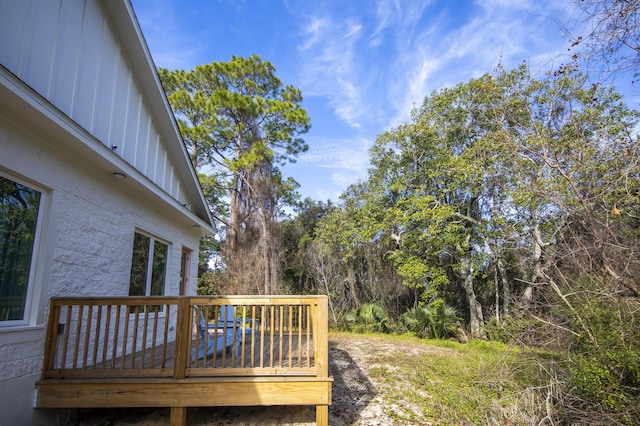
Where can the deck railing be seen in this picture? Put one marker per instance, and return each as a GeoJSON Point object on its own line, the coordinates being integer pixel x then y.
{"type": "Point", "coordinates": [165, 337]}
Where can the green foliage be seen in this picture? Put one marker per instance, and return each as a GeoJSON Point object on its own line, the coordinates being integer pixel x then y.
{"type": "Point", "coordinates": [523, 330]}
{"type": "Point", "coordinates": [19, 207]}
{"type": "Point", "coordinates": [209, 284]}
{"type": "Point", "coordinates": [496, 169]}
{"type": "Point", "coordinates": [448, 383]}
{"type": "Point", "coordinates": [436, 321]}
{"type": "Point", "coordinates": [240, 123]}
{"type": "Point", "coordinates": [606, 371]}
{"type": "Point", "coordinates": [298, 234]}
{"type": "Point", "coordinates": [597, 383]}
{"type": "Point", "coordinates": [237, 113]}
{"type": "Point", "coordinates": [370, 317]}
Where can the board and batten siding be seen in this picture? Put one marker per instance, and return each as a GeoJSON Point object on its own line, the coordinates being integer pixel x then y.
{"type": "Point", "coordinates": [67, 51]}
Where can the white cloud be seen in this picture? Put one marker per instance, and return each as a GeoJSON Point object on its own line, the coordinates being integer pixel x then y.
{"type": "Point", "coordinates": [369, 64]}
{"type": "Point", "coordinates": [314, 31]}
{"type": "Point", "coordinates": [331, 65]}
{"type": "Point", "coordinates": [331, 165]}
{"type": "Point", "coordinates": [353, 30]}
{"type": "Point", "coordinates": [422, 53]}
{"type": "Point", "coordinates": [339, 154]}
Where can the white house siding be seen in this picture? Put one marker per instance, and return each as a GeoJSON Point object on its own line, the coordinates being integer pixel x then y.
{"type": "Point", "coordinates": [79, 100]}
{"type": "Point", "coordinates": [67, 51]}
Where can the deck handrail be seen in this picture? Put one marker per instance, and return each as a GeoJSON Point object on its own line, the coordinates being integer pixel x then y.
{"type": "Point", "coordinates": [101, 337]}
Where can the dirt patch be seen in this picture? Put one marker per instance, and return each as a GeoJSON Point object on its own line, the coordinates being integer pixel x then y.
{"type": "Point", "coordinates": [355, 397]}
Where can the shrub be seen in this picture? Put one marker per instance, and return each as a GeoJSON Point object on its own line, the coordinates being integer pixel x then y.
{"type": "Point", "coordinates": [438, 321]}
{"type": "Point", "coordinates": [522, 331]}
{"type": "Point", "coordinates": [370, 317]}
{"type": "Point", "coordinates": [605, 369]}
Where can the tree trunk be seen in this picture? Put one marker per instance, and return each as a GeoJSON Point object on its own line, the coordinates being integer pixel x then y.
{"type": "Point", "coordinates": [476, 318]}
{"type": "Point", "coordinates": [506, 287]}
{"type": "Point", "coordinates": [537, 273]}
{"type": "Point", "coordinates": [351, 282]}
{"type": "Point", "coordinates": [234, 218]}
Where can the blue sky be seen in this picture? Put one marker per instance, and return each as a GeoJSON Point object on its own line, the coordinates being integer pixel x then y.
{"type": "Point", "coordinates": [361, 64]}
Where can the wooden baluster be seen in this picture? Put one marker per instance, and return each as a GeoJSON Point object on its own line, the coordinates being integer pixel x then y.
{"type": "Point", "coordinates": [87, 335]}
{"type": "Point", "coordinates": [300, 323]}
{"type": "Point", "coordinates": [77, 336]}
{"type": "Point", "coordinates": [244, 333]}
{"type": "Point", "coordinates": [308, 308]}
{"type": "Point", "coordinates": [145, 330]}
{"type": "Point", "coordinates": [125, 337]}
{"type": "Point", "coordinates": [234, 339]}
{"type": "Point", "coordinates": [134, 340]}
{"type": "Point", "coordinates": [271, 333]}
{"type": "Point", "coordinates": [263, 325]}
{"type": "Point", "coordinates": [254, 324]}
{"type": "Point", "coordinates": [107, 339]}
{"type": "Point", "coordinates": [165, 340]}
{"type": "Point", "coordinates": [116, 333]}
{"type": "Point", "coordinates": [183, 338]}
{"type": "Point", "coordinates": [65, 339]}
{"type": "Point", "coordinates": [290, 351]}
{"type": "Point", "coordinates": [154, 335]}
{"type": "Point", "coordinates": [51, 338]}
{"type": "Point", "coordinates": [96, 341]}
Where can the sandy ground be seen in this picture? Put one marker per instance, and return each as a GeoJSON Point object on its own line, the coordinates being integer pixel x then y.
{"type": "Point", "coordinates": [355, 400]}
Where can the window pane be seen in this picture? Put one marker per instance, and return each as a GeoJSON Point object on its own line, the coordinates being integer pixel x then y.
{"type": "Point", "coordinates": [159, 267]}
{"type": "Point", "coordinates": [18, 215]}
{"type": "Point", "coordinates": [139, 265]}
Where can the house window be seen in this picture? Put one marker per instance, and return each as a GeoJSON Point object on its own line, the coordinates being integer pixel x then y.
{"type": "Point", "coordinates": [148, 266]}
{"type": "Point", "coordinates": [19, 206]}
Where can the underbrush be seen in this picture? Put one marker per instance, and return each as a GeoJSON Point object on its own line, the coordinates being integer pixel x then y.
{"type": "Point", "coordinates": [561, 366]}
{"type": "Point", "coordinates": [444, 382]}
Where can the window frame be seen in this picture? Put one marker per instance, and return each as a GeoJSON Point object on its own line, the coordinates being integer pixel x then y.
{"type": "Point", "coordinates": [150, 263]}
{"type": "Point", "coordinates": [34, 283]}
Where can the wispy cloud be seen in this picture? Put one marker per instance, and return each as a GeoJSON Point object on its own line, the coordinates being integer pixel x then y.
{"type": "Point", "coordinates": [331, 64]}
{"type": "Point", "coordinates": [362, 65]}
{"type": "Point", "coordinates": [434, 55]}
{"type": "Point", "coordinates": [374, 66]}
{"type": "Point", "coordinates": [345, 155]}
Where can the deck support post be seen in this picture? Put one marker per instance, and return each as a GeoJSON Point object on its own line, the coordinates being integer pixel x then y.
{"type": "Point", "coordinates": [321, 335]}
{"type": "Point", "coordinates": [183, 337]}
{"type": "Point", "coordinates": [322, 415]}
{"type": "Point", "coordinates": [178, 416]}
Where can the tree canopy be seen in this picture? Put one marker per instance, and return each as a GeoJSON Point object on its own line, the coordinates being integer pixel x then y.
{"type": "Point", "coordinates": [506, 207]}
{"type": "Point", "coordinates": [506, 201]}
{"type": "Point", "coordinates": [240, 123]}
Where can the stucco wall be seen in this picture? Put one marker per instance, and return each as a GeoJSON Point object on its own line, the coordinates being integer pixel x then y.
{"type": "Point", "coordinates": [85, 249]}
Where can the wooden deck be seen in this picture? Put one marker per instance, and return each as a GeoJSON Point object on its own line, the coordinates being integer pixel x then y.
{"type": "Point", "coordinates": [129, 352]}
